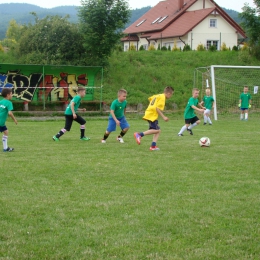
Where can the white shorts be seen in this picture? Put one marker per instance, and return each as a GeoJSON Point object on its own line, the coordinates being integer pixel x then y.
{"type": "Point", "coordinates": [207, 111]}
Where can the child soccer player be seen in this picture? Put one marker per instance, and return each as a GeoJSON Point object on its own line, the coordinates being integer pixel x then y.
{"type": "Point", "coordinates": [5, 109]}
{"type": "Point", "coordinates": [71, 115]}
{"type": "Point", "coordinates": [208, 102]}
{"type": "Point", "coordinates": [244, 103]}
{"type": "Point", "coordinates": [157, 104]}
{"type": "Point", "coordinates": [191, 120]}
{"type": "Point", "coordinates": [117, 117]}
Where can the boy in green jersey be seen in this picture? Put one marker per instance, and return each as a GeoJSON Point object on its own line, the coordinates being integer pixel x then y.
{"type": "Point", "coordinates": [244, 103]}
{"type": "Point", "coordinates": [5, 109]}
{"type": "Point", "coordinates": [71, 115]}
{"type": "Point", "coordinates": [208, 102]}
{"type": "Point", "coordinates": [191, 120]}
{"type": "Point", "coordinates": [117, 117]}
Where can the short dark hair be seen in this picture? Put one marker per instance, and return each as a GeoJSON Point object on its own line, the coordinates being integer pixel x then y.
{"type": "Point", "coordinates": [169, 89]}
{"type": "Point", "coordinates": [6, 91]}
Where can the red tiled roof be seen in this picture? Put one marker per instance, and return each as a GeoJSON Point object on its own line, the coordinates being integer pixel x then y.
{"type": "Point", "coordinates": [130, 38]}
{"type": "Point", "coordinates": [167, 8]}
{"type": "Point", "coordinates": [183, 24]}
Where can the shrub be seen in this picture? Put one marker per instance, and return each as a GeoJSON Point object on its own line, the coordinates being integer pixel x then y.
{"type": "Point", "coordinates": [201, 47]}
{"type": "Point", "coordinates": [132, 47]}
{"type": "Point", "coordinates": [141, 48]}
{"type": "Point", "coordinates": [224, 47]}
{"type": "Point", "coordinates": [164, 48]}
{"type": "Point", "coordinates": [1, 48]}
{"type": "Point", "coordinates": [212, 48]}
{"type": "Point", "coordinates": [186, 47]}
{"type": "Point", "coordinates": [175, 48]}
{"type": "Point", "coordinates": [245, 47]}
{"type": "Point", "coordinates": [151, 48]}
{"type": "Point", "coordinates": [159, 47]}
{"type": "Point", "coordinates": [235, 48]}
{"type": "Point", "coordinates": [169, 48]}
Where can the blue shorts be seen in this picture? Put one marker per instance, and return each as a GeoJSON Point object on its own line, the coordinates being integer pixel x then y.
{"type": "Point", "coordinates": [154, 125]}
{"type": "Point", "coordinates": [112, 124]}
{"type": "Point", "coordinates": [3, 128]}
{"type": "Point", "coordinates": [242, 108]}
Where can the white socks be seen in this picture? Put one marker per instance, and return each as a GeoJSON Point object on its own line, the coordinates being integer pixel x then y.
{"type": "Point", "coordinates": [246, 116]}
{"type": "Point", "coordinates": [4, 139]}
{"type": "Point", "coordinates": [183, 129]}
{"type": "Point", "coordinates": [193, 125]}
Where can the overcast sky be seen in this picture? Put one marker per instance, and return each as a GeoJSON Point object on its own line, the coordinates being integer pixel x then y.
{"type": "Point", "coordinates": [229, 4]}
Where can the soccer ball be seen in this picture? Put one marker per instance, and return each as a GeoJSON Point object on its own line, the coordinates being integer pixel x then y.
{"type": "Point", "coordinates": [204, 142]}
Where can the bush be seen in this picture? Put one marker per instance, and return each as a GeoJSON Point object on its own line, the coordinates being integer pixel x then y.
{"type": "Point", "coordinates": [169, 48]}
{"type": "Point", "coordinates": [1, 48]}
{"type": "Point", "coordinates": [235, 48]}
{"type": "Point", "coordinates": [159, 47]}
{"type": "Point", "coordinates": [224, 47]}
{"type": "Point", "coordinates": [163, 48]}
{"type": "Point", "coordinates": [132, 47]}
{"type": "Point", "coordinates": [212, 48]}
{"type": "Point", "coordinates": [186, 47]}
{"type": "Point", "coordinates": [245, 47]}
{"type": "Point", "coordinates": [151, 48]}
{"type": "Point", "coordinates": [141, 48]}
{"type": "Point", "coordinates": [201, 47]}
{"type": "Point", "coordinates": [175, 48]}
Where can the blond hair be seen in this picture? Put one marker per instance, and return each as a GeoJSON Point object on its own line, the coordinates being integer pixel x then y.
{"type": "Point", "coordinates": [121, 91]}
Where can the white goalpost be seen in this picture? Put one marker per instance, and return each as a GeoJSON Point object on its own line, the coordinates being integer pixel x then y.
{"type": "Point", "coordinates": [227, 83]}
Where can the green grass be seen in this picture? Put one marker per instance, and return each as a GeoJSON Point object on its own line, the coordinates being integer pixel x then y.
{"type": "Point", "coordinates": [87, 200]}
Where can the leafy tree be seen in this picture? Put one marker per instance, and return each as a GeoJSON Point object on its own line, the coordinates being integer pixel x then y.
{"type": "Point", "coordinates": [52, 40]}
{"type": "Point", "coordinates": [14, 31]}
{"type": "Point", "coordinates": [101, 22]}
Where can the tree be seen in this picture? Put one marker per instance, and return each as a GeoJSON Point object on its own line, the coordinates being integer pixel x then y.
{"type": "Point", "coordinates": [14, 31]}
{"type": "Point", "coordinates": [101, 23]}
{"type": "Point", "coordinates": [52, 40]}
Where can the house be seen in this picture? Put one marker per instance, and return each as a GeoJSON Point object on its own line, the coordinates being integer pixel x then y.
{"type": "Point", "coordinates": [182, 22]}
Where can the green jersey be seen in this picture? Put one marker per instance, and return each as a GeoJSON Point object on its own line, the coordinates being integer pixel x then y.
{"type": "Point", "coordinates": [119, 108]}
{"type": "Point", "coordinates": [245, 97]}
{"type": "Point", "coordinates": [5, 106]}
{"type": "Point", "coordinates": [208, 101]}
{"type": "Point", "coordinates": [189, 111]}
{"type": "Point", "coordinates": [76, 100]}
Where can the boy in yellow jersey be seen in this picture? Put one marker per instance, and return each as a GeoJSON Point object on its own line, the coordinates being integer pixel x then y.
{"type": "Point", "coordinates": [155, 108]}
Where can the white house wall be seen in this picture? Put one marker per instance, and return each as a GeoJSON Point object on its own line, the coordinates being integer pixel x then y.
{"type": "Point", "coordinates": [199, 5]}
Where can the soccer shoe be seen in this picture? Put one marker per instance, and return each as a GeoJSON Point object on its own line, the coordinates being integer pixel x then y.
{"type": "Point", "coordinates": [84, 138]}
{"type": "Point", "coordinates": [120, 139]}
{"type": "Point", "coordinates": [55, 138]}
{"type": "Point", "coordinates": [204, 123]}
{"type": "Point", "coordinates": [8, 149]}
{"type": "Point", "coordinates": [103, 141]}
{"type": "Point", "coordinates": [189, 130]}
{"type": "Point", "coordinates": [137, 138]}
{"type": "Point", "coordinates": [180, 134]}
{"type": "Point", "coordinates": [155, 148]}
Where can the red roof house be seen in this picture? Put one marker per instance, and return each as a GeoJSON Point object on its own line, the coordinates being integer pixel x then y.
{"type": "Point", "coordinates": [182, 22]}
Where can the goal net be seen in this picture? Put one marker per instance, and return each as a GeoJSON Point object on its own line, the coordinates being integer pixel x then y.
{"type": "Point", "coordinates": [227, 83]}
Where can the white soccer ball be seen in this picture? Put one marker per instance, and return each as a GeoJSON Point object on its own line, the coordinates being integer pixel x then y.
{"type": "Point", "coordinates": [204, 142]}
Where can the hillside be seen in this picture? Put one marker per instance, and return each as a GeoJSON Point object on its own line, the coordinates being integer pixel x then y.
{"type": "Point", "coordinates": [21, 13]}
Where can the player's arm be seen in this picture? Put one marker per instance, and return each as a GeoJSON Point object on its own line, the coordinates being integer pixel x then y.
{"type": "Point", "coordinates": [159, 111]}
{"type": "Point", "coordinates": [198, 109]}
{"type": "Point", "coordinates": [10, 113]}
{"type": "Point", "coordinates": [72, 107]}
{"type": "Point", "coordinates": [82, 109]}
{"type": "Point", "coordinates": [112, 112]}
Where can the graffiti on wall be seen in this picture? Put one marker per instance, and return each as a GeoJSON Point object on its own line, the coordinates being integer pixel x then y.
{"type": "Point", "coordinates": [41, 87]}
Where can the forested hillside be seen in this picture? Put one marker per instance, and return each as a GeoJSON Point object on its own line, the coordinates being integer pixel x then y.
{"type": "Point", "coordinates": [21, 13]}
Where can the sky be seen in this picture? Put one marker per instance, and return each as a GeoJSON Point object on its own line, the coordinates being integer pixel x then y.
{"type": "Point", "coordinates": [229, 4]}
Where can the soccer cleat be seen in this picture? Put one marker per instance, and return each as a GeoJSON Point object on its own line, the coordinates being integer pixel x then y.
{"type": "Point", "coordinates": [103, 141]}
{"type": "Point", "coordinates": [210, 124]}
{"type": "Point", "coordinates": [8, 149]}
{"type": "Point", "coordinates": [155, 148]}
{"type": "Point", "coordinates": [189, 130]}
{"type": "Point", "coordinates": [120, 139]}
{"type": "Point", "coordinates": [55, 138]}
{"type": "Point", "coordinates": [137, 138]}
{"type": "Point", "coordinates": [84, 138]}
{"type": "Point", "coordinates": [180, 134]}
{"type": "Point", "coordinates": [204, 123]}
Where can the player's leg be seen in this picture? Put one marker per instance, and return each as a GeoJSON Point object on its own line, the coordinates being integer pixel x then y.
{"type": "Point", "coordinates": [110, 128]}
{"type": "Point", "coordinates": [82, 123]}
{"type": "Point", "coordinates": [3, 129]}
{"type": "Point", "coordinates": [246, 114]}
{"type": "Point", "coordinates": [124, 128]}
{"type": "Point", "coordinates": [242, 114]}
{"type": "Point", "coordinates": [205, 117]}
{"type": "Point", "coordinates": [67, 127]}
{"type": "Point", "coordinates": [194, 122]}
{"type": "Point", "coordinates": [208, 116]}
{"type": "Point", "coordinates": [185, 127]}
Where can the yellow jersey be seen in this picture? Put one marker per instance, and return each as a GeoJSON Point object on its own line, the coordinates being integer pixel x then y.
{"type": "Point", "coordinates": [156, 101]}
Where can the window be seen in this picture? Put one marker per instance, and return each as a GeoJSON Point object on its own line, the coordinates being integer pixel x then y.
{"type": "Point", "coordinates": [212, 42]}
{"type": "Point", "coordinates": [162, 19]}
{"type": "Point", "coordinates": [156, 20]}
{"type": "Point", "coordinates": [213, 23]}
{"type": "Point", "coordinates": [145, 46]}
{"type": "Point", "coordinates": [141, 22]}
{"type": "Point", "coordinates": [126, 47]}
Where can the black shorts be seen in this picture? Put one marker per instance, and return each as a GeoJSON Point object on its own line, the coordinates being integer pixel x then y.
{"type": "Point", "coordinates": [154, 125]}
{"type": "Point", "coordinates": [191, 120]}
{"type": "Point", "coordinates": [69, 120]}
{"type": "Point", "coordinates": [3, 128]}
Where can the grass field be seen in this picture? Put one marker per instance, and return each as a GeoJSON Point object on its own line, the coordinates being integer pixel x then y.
{"type": "Point", "coordinates": [86, 200]}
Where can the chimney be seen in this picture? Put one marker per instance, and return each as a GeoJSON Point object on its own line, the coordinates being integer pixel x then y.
{"type": "Point", "coordinates": [181, 2]}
